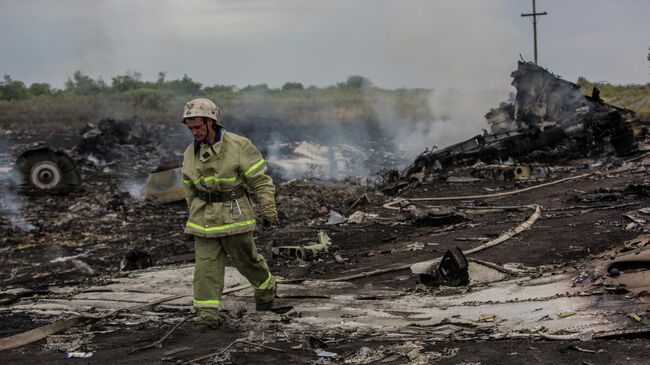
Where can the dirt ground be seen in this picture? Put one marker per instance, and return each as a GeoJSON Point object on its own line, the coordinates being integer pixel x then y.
{"type": "Point", "coordinates": [81, 239]}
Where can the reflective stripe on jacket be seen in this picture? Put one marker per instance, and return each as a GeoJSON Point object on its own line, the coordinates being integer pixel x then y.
{"type": "Point", "coordinates": [225, 166]}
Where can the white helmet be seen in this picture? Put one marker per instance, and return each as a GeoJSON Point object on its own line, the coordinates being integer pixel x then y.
{"type": "Point", "coordinates": [202, 107]}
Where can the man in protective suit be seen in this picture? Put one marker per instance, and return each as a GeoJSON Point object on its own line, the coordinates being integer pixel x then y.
{"type": "Point", "coordinates": [217, 167]}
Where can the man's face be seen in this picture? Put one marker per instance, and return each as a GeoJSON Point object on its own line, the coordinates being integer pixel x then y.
{"type": "Point", "coordinates": [198, 127]}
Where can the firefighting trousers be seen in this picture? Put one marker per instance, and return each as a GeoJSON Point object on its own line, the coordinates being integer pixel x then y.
{"type": "Point", "coordinates": [209, 271]}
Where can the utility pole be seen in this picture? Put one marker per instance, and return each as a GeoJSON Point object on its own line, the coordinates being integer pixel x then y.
{"type": "Point", "coordinates": [534, 15]}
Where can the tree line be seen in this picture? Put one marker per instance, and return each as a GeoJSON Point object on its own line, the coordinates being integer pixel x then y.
{"type": "Point", "coordinates": [81, 84]}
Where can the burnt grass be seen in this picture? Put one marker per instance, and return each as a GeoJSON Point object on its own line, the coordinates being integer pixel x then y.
{"type": "Point", "coordinates": [98, 225]}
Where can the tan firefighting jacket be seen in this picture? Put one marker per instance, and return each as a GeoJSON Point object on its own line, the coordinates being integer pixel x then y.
{"type": "Point", "coordinates": [225, 166]}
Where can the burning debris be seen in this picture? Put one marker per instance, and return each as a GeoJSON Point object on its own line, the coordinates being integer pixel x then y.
{"type": "Point", "coordinates": [102, 141]}
{"type": "Point", "coordinates": [550, 120]}
{"type": "Point", "coordinates": [341, 251]}
{"type": "Point", "coordinates": [304, 159]}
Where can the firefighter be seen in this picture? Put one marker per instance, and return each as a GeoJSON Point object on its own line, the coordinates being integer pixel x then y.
{"type": "Point", "coordinates": [219, 169]}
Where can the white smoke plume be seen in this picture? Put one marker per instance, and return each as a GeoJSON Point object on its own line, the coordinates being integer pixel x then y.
{"type": "Point", "coordinates": [467, 64]}
{"type": "Point", "coordinates": [12, 205]}
{"type": "Point", "coordinates": [455, 116]}
{"type": "Point", "coordinates": [135, 188]}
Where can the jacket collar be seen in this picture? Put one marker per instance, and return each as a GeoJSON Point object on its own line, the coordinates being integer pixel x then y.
{"type": "Point", "coordinates": [217, 139]}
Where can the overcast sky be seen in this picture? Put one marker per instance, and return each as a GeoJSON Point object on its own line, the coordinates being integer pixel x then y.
{"type": "Point", "coordinates": [427, 43]}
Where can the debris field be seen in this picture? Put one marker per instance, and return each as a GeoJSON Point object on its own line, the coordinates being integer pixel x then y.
{"type": "Point", "coordinates": [526, 244]}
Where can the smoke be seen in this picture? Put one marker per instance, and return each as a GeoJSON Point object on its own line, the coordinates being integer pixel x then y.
{"type": "Point", "coordinates": [307, 139]}
{"type": "Point", "coordinates": [11, 204]}
{"type": "Point", "coordinates": [466, 45]}
{"type": "Point", "coordinates": [135, 188]}
{"type": "Point", "coordinates": [13, 207]}
{"type": "Point", "coordinates": [454, 116]}
{"type": "Point", "coordinates": [94, 48]}
{"type": "Point", "coordinates": [273, 155]}
{"type": "Point", "coordinates": [467, 64]}
{"type": "Point", "coordinates": [176, 135]}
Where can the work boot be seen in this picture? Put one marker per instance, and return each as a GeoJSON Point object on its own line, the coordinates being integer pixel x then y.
{"type": "Point", "coordinates": [209, 319]}
{"type": "Point", "coordinates": [266, 306]}
{"type": "Point", "coordinates": [207, 325]}
{"type": "Point", "coordinates": [264, 297]}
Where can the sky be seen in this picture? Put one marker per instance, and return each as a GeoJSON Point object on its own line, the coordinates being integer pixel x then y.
{"type": "Point", "coordinates": [464, 44]}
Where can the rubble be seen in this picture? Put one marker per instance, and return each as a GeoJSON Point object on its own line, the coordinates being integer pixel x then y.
{"type": "Point", "coordinates": [434, 216]}
{"type": "Point", "coordinates": [102, 141]}
{"type": "Point", "coordinates": [537, 246]}
{"type": "Point", "coordinates": [335, 161]}
{"type": "Point", "coordinates": [550, 120]}
{"type": "Point", "coordinates": [306, 252]}
{"type": "Point", "coordinates": [67, 343]}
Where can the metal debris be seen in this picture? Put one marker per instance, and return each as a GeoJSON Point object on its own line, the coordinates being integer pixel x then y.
{"type": "Point", "coordinates": [335, 218]}
{"type": "Point", "coordinates": [452, 270]}
{"type": "Point", "coordinates": [550, 120]}
{"type": "Point", "coordinates": [136, 259]}
{"type": "Point", "coordinates": [306, 252]}
{"type": "Point", "coordinates": [164, 185]}
{"type": "Point", "coordinates": [43, 170]}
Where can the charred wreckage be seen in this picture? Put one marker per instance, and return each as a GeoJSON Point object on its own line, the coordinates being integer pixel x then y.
{"type": "Point", "coordinates": [570, 284]}
{"type": "Point", "coordinates": [550, 120]}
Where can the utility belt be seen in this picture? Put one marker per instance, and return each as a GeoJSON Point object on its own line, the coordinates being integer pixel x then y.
{"type": "Point", "coordinates": [220, 196]}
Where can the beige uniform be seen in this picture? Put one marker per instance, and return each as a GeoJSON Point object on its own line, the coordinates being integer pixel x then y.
{"type": "Point", "coordinates": [225, 227]}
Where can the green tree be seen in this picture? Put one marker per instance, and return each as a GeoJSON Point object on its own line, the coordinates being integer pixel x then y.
{"type": "Point", "coordinates": [355, 82]}
{"type": "Point", "coordinates": [184, 86]}
{"type": "Point", "coordinates": [292, 86]}
{"type": "Point", "coordinates": [257, 87]}
{"type": "Point", "coordinates": [81, 84]}
{"type": "Point", "coordinates": [218, 88]}
{"type": "Point", "coordinates": [13, 89]}
{"type": "Point", "coordinates": [40, 88]}
{"type": "Point", "coordinates": [129, 81]}
{"type": "Point", "coordinates": [582, 81]}
{"type": "Point", "coordinates": [161, 77]}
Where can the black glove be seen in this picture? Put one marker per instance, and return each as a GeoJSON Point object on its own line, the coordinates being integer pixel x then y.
{"type": "Point", "coordinates": [268, 221]}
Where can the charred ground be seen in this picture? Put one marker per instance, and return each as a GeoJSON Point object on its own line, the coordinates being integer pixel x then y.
{"type": "Point", "coordinates": [82, 238]}
{"type": "Point", "coordinates": [548, 293]}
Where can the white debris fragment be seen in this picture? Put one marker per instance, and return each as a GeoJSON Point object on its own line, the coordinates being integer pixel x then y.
{"type": "Point", "coordinates": [357, 217]}
{"type": "Point", "coordinates": [78, 355]}
{"type": "Point", "coordinates": [312, 160]}
{"type": "Point", "coordinates": [66, 258]}
{"type": "Point", "coordinates": [323, 353]}
{"type": "Point", "coordinates": [335, 218]}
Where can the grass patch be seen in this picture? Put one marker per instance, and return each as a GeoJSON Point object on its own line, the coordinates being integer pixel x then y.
{"type": "Point", "coordinates": [635, 97]}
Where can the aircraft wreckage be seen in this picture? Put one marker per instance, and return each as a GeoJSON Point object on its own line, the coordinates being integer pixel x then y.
{"type": "Point", "coordinates": [522, 262]}
{"type": "Point", "coordinates": [548, 112]}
